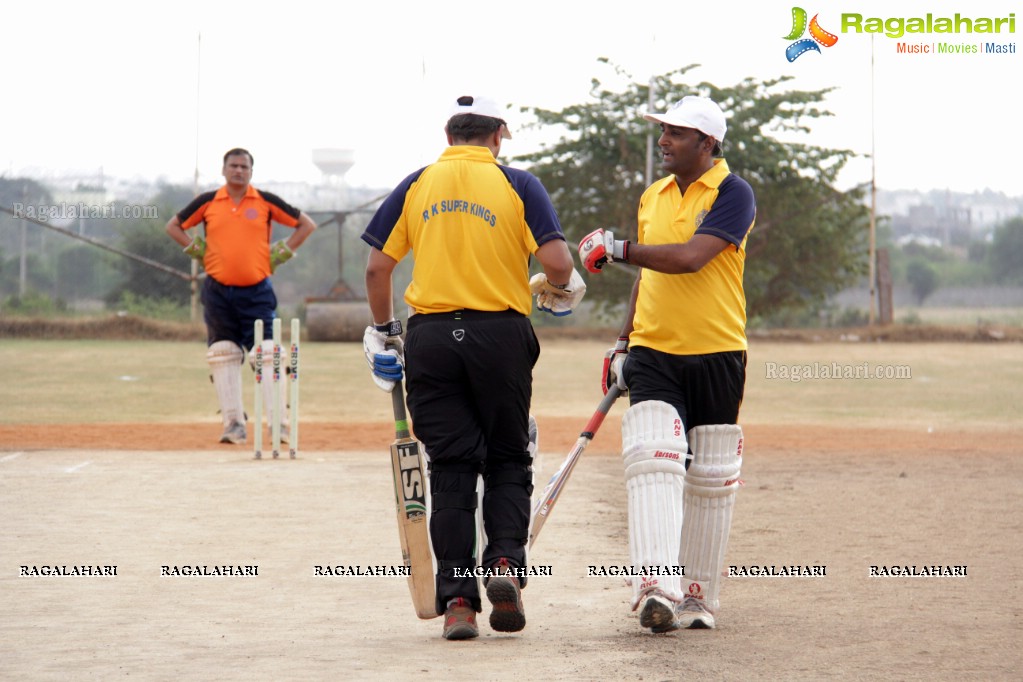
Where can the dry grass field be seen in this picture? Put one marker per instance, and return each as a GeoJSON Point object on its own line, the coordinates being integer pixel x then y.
{"type": "Point", "coordinates": [108, 457]}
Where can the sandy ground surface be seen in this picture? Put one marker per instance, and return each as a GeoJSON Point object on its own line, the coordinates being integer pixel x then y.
{"type": "Point", "coordinates": [140, 497]}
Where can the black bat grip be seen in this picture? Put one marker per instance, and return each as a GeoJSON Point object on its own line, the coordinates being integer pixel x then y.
{"type": "Point", "coordinates": [401, 429]}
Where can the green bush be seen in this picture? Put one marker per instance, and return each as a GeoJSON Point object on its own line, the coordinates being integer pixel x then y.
{"type": "Point", "coordinates": [34, 304]}
{"type": "Point", "coordinates": [912, 317]}
{"type": "Point", "coordinates": [155, 308]}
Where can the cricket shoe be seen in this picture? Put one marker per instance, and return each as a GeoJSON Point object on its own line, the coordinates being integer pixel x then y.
{"type": "Point", "coordinates": [658, 614]}
{"type": "Point", "coordinates": [460, 620]}
{"type": "Point", "coordinates": [234, 433]}
{"type": "Point", "coordinates": [693, 615]}
{"type": "Point", "coordinates": [285, 433]}
{"type": "Point", "coordinates": [505, 595]}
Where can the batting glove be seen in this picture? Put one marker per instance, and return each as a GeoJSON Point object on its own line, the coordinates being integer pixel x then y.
{"type": "Point", "coordinates": [557, 300]}
{"type": "Point", "coordinates": [385, 354]}
{"type": "Point", "coordinates": [280, 253]}
{"type": "Point", "coordinates": [614, 362]}
{"type": "Point", "coordinates": [600, 247]}
{"type": "Point", "coordinates": [196, 248]}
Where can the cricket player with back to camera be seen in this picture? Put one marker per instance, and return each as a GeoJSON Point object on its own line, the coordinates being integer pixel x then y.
{"type": "Point", "coordinates": [681, 355]}
{"type": "Point", "coordinates": [471, 225]}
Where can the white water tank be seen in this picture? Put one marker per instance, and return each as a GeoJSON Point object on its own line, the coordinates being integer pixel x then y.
{"type": "Point", "coordinates": [334, 162]}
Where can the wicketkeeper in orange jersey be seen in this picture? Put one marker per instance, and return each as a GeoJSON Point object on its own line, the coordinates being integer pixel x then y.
{"type": "Point", "coordinates": [238, 257]}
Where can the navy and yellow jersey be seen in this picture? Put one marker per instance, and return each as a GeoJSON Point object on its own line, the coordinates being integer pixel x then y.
{"type": "Point", "coordinates": [238, 235]}
{"type": "Point", "coordinates": [701, 312]}
{"type": "Point", "coordinates": [471, 225]}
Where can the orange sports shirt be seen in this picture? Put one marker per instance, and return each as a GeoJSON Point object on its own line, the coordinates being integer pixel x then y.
{"type": "Point", "coordinates": [238, 235]}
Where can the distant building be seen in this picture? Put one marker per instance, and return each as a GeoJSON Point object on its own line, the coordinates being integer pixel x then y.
{"type": "Point", "coordinates": [946, 217]}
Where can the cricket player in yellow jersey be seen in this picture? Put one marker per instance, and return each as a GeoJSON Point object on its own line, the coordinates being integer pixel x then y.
{"type": "Point", "coordinates": [236, 253]}
{"type": "Point", "coordinates": [472, 225]}
{"type": "Point", "coordinates": [681, 355]}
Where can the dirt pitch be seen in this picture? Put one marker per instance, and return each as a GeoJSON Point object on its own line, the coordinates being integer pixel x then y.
{"type": "Point", "coordinates": [816, 494]}
{"type": "Point", "coordinates": [843, 500]}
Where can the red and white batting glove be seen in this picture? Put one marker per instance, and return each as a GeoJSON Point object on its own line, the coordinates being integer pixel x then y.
{"type": "Point", "coordinates": [600, 247]}
{"type": "Point", "coordinates": [614, 361]}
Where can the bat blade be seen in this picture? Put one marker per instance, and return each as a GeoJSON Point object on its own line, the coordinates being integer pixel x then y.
{"type": "Point", "coordinates": [549, 497]}
{"type": "Point", "coordinates": [413, 525]}
{"type": "Point", "coordinates": [551, 493]}
{"type": "Point", "coordinates": [410, 502]}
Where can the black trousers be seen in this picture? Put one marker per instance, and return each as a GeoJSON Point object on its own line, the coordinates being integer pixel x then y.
{"type": "Point", "coordinates": [469, 377]}
{"type": "Point", "coordinates": [705, 389]}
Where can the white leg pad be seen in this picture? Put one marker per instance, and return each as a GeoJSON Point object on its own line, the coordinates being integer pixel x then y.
{"type": "Point", "coordinates": [710, 488]}
{"type": "Point", "coordinates": [268, 384]}
{"type": "Point", "coordinates": [654, 453]}
{"type": "Point", "coordinates": [225, 361]}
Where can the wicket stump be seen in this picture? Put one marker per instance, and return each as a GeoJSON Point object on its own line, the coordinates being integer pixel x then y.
{"type": "Point", "coordinates": [278, 391]}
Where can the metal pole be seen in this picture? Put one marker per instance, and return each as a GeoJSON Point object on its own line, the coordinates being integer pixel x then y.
{"type": "Point", "coordinates": [650, 139]}
{"type": "Point", "coordinates": [194, 297]}
{"type": "Point", "coordinates": [23, 259]}
{"type": "Point", "coordinates": [873, 197]}
{"type": "Point", "coordinates": [95, 242]}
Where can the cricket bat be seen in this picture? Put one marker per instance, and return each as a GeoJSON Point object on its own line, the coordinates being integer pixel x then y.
{"type": "Point", "coordinates": [549, 497]}
{"type": "Point", "coordinates": [410, 500]}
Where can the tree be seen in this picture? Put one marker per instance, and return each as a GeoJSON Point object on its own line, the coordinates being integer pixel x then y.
{"type": "Point", "coordinates": [148, 238]}
{"type": "Point", "coordinates": [38, 275]}
{"type": "Point", "coordinates": [922, 278]}
{"type": "Point", "coordinates": [24, 194]}
{"type": "Point", "coordinates": [809, 240]}
{"type": "Point", "coordinates": [171, 198]}
{"type": "Point", "coordinates": [82, 272]}
{"type": "Point", "coordinates": [21, 242]}
{"type": "Point", "coordinates": [1006, 252]}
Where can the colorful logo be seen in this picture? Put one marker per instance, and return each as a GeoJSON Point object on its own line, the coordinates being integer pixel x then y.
{"type": "Point", "coordinates": [817, 35]}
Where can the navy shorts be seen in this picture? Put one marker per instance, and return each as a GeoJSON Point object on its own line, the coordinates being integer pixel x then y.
{"type": "Point", "coordinates": [231, 312]}
{"type": "Point", "coordinates": [704, 389]}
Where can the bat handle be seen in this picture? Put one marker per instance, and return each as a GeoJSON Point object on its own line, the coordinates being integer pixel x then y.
{"type": "Point", "coordinates": [401, 429]}
{"type": "Point", "coordinates": [598, 417]}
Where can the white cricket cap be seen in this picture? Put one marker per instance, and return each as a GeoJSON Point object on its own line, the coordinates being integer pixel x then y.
{"type": "Point", "coordinates": [697, 112]}
{"type": "Point", "coordinates": [481, 106]}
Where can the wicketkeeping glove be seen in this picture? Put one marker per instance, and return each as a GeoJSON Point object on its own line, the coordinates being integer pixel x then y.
{"type": "Point", "coordinates": [614, 361]}
{"type": "Point", "coordinates": [196, 248]}
{"type": "Point", "coordinates": [280, 253]}
{"type": "Point", "coordinates": [385, 354]}
{"type": "Point", "coordinates": [557, 301]}
{"type": "Point", "coordinates": [600, 247]}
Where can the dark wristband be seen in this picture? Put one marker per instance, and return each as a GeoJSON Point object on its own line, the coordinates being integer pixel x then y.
{"type": "Point", "coordinates": [392, 328]}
